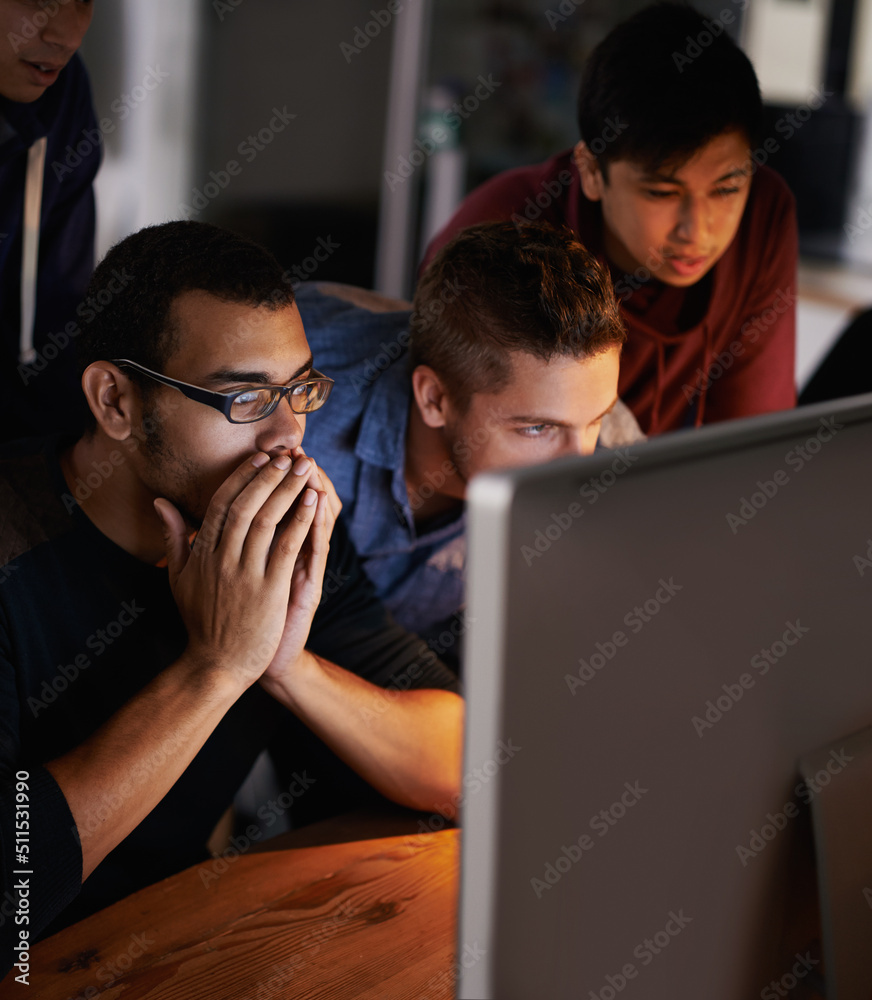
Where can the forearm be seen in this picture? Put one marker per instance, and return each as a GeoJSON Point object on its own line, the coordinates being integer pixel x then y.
{"type": "Point", "coordinates": [406, 744]}
{"type": "Point", "coordinates": [119, 774]}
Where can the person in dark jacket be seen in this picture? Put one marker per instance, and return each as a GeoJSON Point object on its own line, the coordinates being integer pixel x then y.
{"type": "Point", "coordinates": [50, 148]}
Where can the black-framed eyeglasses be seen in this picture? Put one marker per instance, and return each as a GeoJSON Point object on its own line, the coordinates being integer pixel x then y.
{"type": "Point", "coordinates": [247, 405]}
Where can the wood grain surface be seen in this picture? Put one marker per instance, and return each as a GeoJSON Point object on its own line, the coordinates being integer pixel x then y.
{"type": "Point", "coordinates": [374, 919]}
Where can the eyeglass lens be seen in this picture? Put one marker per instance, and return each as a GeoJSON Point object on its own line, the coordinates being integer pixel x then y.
{"type": "Point", "coordinates": [256, 403]}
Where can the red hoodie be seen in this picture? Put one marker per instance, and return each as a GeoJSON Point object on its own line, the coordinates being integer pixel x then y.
{"type": "Point", "coordinates": [719, 349]}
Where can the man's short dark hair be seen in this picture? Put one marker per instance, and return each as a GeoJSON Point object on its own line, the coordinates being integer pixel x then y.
{"type": "Point", "coordinates": [127, 305]}
{"type": "Point", "coordinates": [664, 83]}
{"type": "Point", "coordinates": [499, 287]}
{"type": "Point", "coordinates": [126, 309]}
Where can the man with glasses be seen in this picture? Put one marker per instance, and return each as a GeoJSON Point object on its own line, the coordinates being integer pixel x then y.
{"type": "Point", "coordinates": [161, 611]}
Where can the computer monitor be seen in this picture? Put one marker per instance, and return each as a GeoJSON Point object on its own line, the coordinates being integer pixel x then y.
{"type": "Point", "coordinates": [656, 638]}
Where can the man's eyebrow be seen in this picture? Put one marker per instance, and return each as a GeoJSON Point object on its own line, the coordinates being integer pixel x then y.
{"type": "Point", "coordinates": [531, 419]}
{"type": "Point", "coordinates": [656, 178]}
{"type": "Point", "coordinates": [223, 376]}
{"type": "Point", "coordinates": [534, 420]}
{"type": "Point", "coordinates": [606, 411]}
{"type": "Point", "coordinates": [525, 419]}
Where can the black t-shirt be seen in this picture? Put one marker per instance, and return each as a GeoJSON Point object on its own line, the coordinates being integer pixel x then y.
{"type": "Point", "coordinates": [84, 626]}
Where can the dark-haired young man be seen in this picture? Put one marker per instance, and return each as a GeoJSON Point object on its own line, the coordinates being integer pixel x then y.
{"type": "Point", "coordinates": [701, 243]}
{"type": "Point", "coordinates": [135, 696]}
{"type": "Point", "coordinates": [509, 357]}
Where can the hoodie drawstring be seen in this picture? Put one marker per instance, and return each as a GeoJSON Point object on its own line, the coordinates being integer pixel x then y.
{"type": "Point", "coordinates": [30, 247]}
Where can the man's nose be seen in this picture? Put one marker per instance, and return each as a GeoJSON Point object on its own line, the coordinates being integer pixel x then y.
{"type": "Point", "coordinates": [282, 430]}
{"type": "Point", "coordinates": [66, 25]}
{"type": "Point", "coordinates": [694, 221]}
{"type": "Point", "coordinates": [582, 442]}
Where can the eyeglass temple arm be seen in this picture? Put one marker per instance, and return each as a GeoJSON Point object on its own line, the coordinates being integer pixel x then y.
{"type": "Point", "coordinates": [217, 400]}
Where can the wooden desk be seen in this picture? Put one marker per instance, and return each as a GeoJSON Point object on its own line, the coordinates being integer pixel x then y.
{"type": "Point", "coordinates": [373, 919]}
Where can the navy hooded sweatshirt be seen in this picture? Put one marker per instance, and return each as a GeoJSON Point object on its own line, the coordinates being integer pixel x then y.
{"type": "Point", "coordinates": [44, 396]}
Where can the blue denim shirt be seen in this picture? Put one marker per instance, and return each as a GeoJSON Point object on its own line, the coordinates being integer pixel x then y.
{"type": "Point", "coordinates": [359, 439]}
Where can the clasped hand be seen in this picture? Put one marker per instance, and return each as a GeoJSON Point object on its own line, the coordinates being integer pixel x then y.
{"type": "Point", "coordinates": [248, 587]}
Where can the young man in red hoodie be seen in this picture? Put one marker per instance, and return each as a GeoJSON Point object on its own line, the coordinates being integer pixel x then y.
{"type": "Point", "coordinates": [665, 187]}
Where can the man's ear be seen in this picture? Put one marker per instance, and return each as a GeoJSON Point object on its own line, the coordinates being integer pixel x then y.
{"type": "Point", "coordinates": [592, 180]}
{"type": "Point", "coordinates": [431, 397]}
{"type": "Point", "coordinates": [112, 397]}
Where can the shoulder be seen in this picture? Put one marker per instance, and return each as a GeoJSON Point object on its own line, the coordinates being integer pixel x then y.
{"type": "Point", "coordinates": [766, 247]}
{"type": "Point", "coordinates": [542, 191]}
{"type": "Point", "coordinates": [346, 325]}
{"type": "Point", "coordinates": [558, 170]}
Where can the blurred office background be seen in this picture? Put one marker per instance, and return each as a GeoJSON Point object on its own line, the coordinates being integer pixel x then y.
{"type": "Point", "coordinates": [397, 113]}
